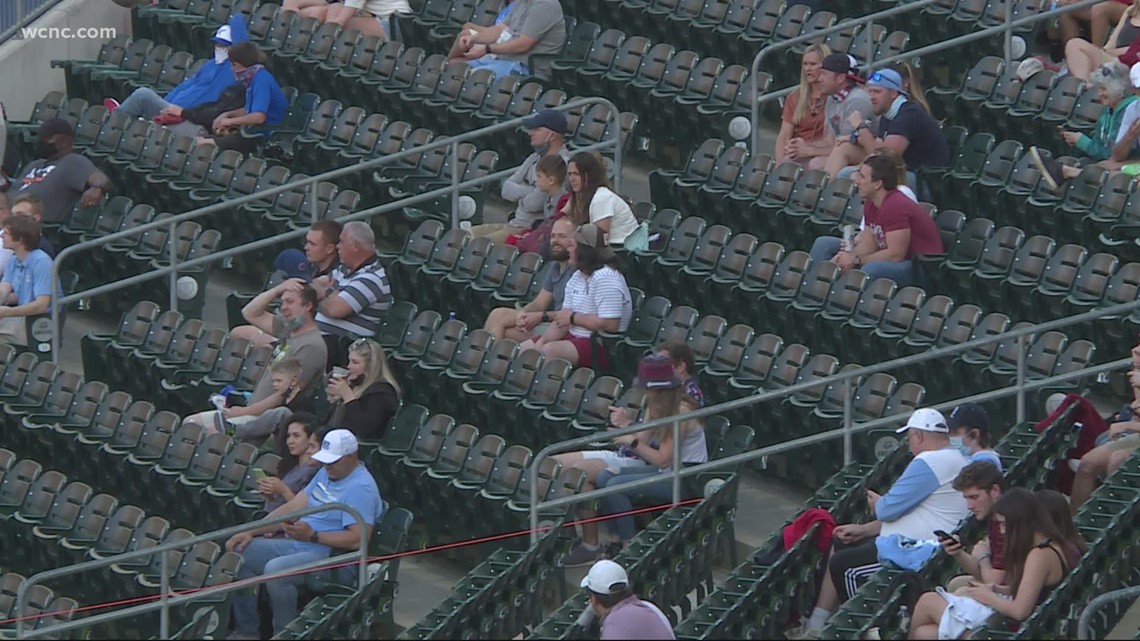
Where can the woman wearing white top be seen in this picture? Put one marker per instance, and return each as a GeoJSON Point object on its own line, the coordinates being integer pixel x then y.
{"type": "Point", "coordinates": [592, 200]}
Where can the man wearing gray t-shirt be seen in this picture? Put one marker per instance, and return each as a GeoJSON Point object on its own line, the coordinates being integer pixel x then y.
{"type": "Point", "coordinates": [59, 177]}
{"type": "Point", "coordinates": [838, 81]}
{"type": "Point", "coordinates": [532, 27]}
{"type": "Point", "coordinates": [516, 324]}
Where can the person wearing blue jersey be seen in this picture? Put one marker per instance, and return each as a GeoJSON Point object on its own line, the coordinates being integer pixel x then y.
{"type": "Point", "coordinates": [203, 87]}
{"type": "Point", "coordinates": [264, 108]}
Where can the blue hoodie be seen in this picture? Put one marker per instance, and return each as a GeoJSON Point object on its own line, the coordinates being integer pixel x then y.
{"type": "Point", "coordinates": [212, 79]}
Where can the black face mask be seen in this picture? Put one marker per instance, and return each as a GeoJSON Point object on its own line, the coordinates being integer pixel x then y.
{"type": "Point", "coordinates": [45, 149]}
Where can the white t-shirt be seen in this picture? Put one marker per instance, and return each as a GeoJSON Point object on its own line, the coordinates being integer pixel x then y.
{"type": "Point", "coordinates": [380, 8]}
{"type": "Point", "coordinates": [607, 204]}
{"type": "Point", "coordinates": [1131, 115]}
{"type": "Point", "coordinates": [604, 294]}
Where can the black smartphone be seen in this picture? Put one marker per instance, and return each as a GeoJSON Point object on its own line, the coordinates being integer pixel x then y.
{"type": "Point", "coordinates": [943, 536]}
{"type": "Point", "coordinates": [235, 399]}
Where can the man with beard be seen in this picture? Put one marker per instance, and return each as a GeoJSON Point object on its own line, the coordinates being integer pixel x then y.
{"type": "Point", "coordinates": [517, 324]}
{"type": "Point", "coordinates": [547, 129]}
{"type": "Point", "coordinates": [59, 177]}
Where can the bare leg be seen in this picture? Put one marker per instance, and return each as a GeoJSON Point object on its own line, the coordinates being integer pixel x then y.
{"type": "Point", "coordinates": [500, 320]}
{"type": "Point", "coordinates": [592, 467]}
{"type": "Point", "coordinates": [1093, 464]}
{"type": "Point", "coordinates": [1111, 165]}
{"type": "Point", "coordinates": [319, 12]}
{"type": "Point", "coordinates": [561, 349]}
{"type": "Point", "coordinates": [1102, 18]}
{"type": "Point", "coordinates": [927, 614]}
{"type": "Point", "coordinates": [844, 156]}
{"type": "Point", "coordinates": [297, 6]}
{"type": "Point", "coordinates": [367, 25]}
{"type": "Point", "coordinates": [1082, 57]}
{"type": "Point", "coordinates": [1118, 458]}
{"type": "Point", "coordinates": [1070, 24]}
{"type": "Point", "coordinates": [817, 162]}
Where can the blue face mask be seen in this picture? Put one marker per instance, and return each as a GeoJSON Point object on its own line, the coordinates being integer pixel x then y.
{"type": "Point", "coordinates": [895, 106]}
{"type": "Point", "coordinates": [957, 443]}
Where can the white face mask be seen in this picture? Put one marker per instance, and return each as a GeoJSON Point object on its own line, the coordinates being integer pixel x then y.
{"type": "Point", "coordinates": [221, 54]}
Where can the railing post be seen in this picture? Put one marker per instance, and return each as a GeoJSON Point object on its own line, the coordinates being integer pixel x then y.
{"type": "Point", "coordinates": [532, 473]}
{"type": "Point", "coordinates": [454, 185]}
{"type": "Point", "coordinates": [676, 462]}
{"type": "Point", "coordinates": [164, 590]}
{"type": "Point", "coordinates": [847, 456]}
{"type": "Point", "coordinates": [870, 43]}
{"type": "Point", "coordinates": [1008, 32]}
{"type": "Point", "coordinates": [314, 210]}
{"type": "Point", "coordinates": [617, 151]}
{"type": "Point", "coordinates": [1022, 346]}
{"type": "Point", "coordinates": [172, 239]}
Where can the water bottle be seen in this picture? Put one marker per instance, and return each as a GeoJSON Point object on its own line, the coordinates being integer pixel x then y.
{"type": "Point", "coordinates": [218, 401]}
{"type": "Point", "coordinates": [451, 316]}
{"type": "Point", "coordinates": [848, 237]}
{"type": "Point", "coordinates": [1056, 22]}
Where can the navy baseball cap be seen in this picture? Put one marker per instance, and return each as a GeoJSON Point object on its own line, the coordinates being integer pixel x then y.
{"type": "Point", "coordinates": [293, 264]}
{"type": "Point", "coordinates": [549, 118]}
{"type": "Point", "coordinates": [969, 415]}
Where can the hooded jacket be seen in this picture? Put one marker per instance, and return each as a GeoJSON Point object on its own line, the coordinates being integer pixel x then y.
{"type": "Point", "coordinates": [212, 79]}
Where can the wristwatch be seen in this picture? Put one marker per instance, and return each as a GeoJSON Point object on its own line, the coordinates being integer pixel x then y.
{"type": "Point", "coordinates": [858, 261]}
{"type": "Point", "coordinates": [572, 315]}
{"type": "Point", "coordinates": [315, 538]}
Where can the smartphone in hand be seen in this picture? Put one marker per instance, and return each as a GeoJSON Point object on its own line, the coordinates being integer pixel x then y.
{"type": "Point", "coordinates": [943, 536]}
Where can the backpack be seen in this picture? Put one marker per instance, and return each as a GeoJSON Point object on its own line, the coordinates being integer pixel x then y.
{"type": "Point", "coordinates": [638, 239]}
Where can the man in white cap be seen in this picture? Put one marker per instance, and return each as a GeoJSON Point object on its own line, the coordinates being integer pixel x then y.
{"type": "Point", "coordinates": [343, 479]}
{"type": "Point", "coordinates": [923, 500]}
{"type": "Point", "coordinates": [623, 615]}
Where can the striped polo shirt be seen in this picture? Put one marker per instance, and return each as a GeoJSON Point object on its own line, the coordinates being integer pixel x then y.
{"type": "Point", "coordinates": [367, 292]}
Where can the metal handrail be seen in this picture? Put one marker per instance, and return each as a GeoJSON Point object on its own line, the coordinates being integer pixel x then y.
{"type": "Point", "coordinates": [846, 377]}
{"type": "Point", "coordinates": [166, 601]}
{"type": "Point", "coordinates": [172, 269]}
{"type": "Point", "coordinates": [1084, 625]}
{"type": "Point", "coordinates": [25, 17]}
{"type": "Point", "coordinates": [1007, 29]}
{"type": "Point", "coordinates": [868, 19]}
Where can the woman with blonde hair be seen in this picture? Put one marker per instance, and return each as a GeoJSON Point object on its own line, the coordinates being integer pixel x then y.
{"type": "Point", "coordinates": [803, 119]}
{"type": "Point", "coordinates": [365, 395]}
{"type": "Point", "coordinates": [912, 83]}
{"type": "Point", "coordinates": [641, 455]}
{"type": "Point", "coordinates": [1083, 57]}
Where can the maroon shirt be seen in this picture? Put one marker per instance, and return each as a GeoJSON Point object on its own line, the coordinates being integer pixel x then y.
{"type": "Point", "coordinates": [899, 212]}
{"type": "Point", "coordinates": [997, 546]}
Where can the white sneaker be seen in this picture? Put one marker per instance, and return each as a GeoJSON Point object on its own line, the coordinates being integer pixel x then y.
{"type": "Point", "coordinates": [872, 634]}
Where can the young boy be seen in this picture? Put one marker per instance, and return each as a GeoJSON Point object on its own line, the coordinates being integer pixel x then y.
{"type": "Point", "coordinates": [285, 378]}
{"type": "Point", "coordinates": [550, 177]}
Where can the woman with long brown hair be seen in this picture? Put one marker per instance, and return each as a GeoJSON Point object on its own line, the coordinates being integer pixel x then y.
{"type": "Point", "coordinates": [640, 455]}
{"type": "Point", "coordinates": [1036, 561]}
{"type": "Point", "coordinates": [592, 200]}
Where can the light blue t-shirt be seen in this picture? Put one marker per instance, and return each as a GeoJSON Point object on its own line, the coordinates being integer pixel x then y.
{"type": "Point", "coordinates": [989, 456]}
{"type": "Point", "coordinates": [357, 490]}
{"type": "Point", "coordinates": [30, 278]}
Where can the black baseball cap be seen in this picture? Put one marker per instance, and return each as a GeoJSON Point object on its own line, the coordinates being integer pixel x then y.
{"type": "Point", "coordinates": [840, 63]}
{"type": "Point", "coordinates": [54, 127]}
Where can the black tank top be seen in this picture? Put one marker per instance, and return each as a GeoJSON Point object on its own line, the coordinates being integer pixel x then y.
{"type": "Point", "coordinates": [1046, 590]}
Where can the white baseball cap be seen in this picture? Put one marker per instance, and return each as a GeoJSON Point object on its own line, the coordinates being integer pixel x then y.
{"type": "Point", "coordinates": [926, 419]}
{"type": "Point", "coordinates": [1134, 75]}
{"type": "Point", "coordinates": [336, 444]}
{"type": "Point", "coordinates": [224, 35]}
{"type": "Point", "coordinates": [605, 577]}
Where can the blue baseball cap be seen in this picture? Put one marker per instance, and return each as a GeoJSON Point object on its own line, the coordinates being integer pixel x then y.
{"type": "Point", "coordinates": [887, 79]}
{"type": "Point", "coordinates": [293, 264]}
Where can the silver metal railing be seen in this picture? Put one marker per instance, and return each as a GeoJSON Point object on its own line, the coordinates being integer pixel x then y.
{"type": "Point", "coordinates": [1084, 624]}
{"type": "Point", "coordinates": [453, 190]}
{"type": "Point", "coordinates": [17, 14]}
{"type": "Point", "coordinates": [1006, 29]}
{"type": "Point", "coordinates": [1023, 336]}
{"type": "Point", "coordinates": [166, 599]}
{"type": "Point", "coordinates": [868, 20]}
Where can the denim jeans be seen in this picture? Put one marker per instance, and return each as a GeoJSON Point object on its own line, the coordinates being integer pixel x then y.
{"type": "Point", "coordinates": [143, 103]}
{"type": "Point", "coordinates": [826, 247]}
{"type": "Point", "coordinates": [269, 556]}
{"type": "Point", "coordinates": [500, 67]}
{"type": "Point", "coordinates": [660, 492]}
